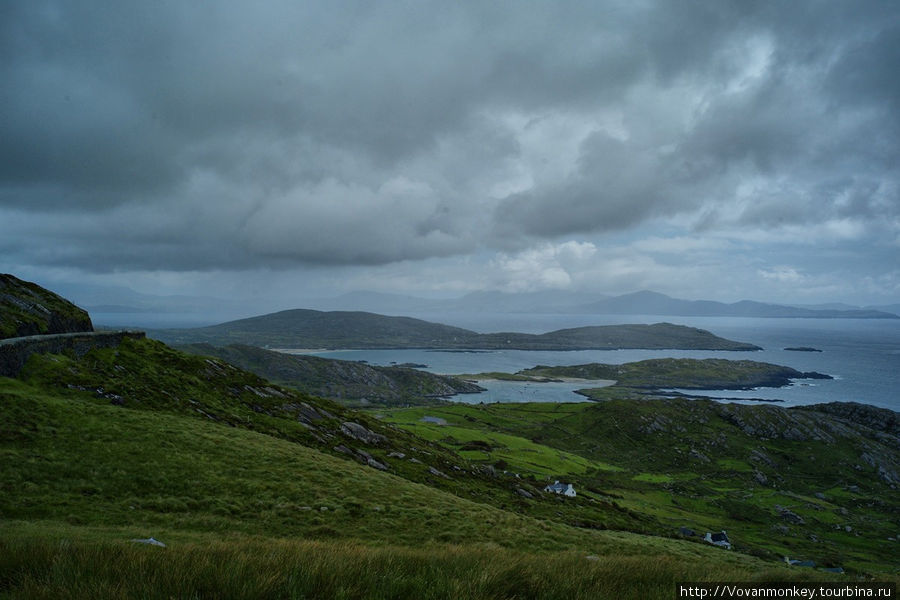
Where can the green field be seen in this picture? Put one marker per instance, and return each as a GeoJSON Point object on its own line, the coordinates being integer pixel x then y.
{"type": "Point", "coordinates": [797, 490]}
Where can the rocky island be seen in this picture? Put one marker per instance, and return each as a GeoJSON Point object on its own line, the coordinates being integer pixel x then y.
{"type": "Point", "coordinates": [685, 373]}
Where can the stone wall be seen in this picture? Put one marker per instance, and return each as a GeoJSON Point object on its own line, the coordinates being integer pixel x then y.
{"type": "Point", "coordinates": [14, 352]}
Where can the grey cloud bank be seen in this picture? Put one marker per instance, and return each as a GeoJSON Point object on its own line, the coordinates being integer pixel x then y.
{"type": "Point", "coordinates": [704, 149]}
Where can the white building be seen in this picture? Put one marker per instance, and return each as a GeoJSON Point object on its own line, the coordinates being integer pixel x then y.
{"type": "Point", "coordinates": [718, 539]}
{"type": "Point", "coordinates": [565, 489]}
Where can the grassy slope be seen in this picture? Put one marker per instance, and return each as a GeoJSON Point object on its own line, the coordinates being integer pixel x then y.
{"type": "Point", "coordinates": [351, 383]}
{"type": "Point", "coordinates": [147, 470]}
{"type": "Point", "coordinates": [53, 562]}
{"type": "Point", "coordinates": [149, 376]}
{"type": "Point", "coordinates": [28, 309]}
{"type": "Point", "coordinates": [98, 467]}
{"type": "Point", "coordinates": [703, 465]}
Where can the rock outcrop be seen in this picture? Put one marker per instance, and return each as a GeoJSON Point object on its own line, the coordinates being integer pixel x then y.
{"type": "Point", "coordinates": [879, 419]}
{"type": "Point", "coordinates": [28, 309]}
{"type": "Point", "coordinates": [364, 435]}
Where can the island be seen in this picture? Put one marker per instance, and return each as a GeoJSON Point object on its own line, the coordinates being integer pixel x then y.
{"type": "Point", "coordinates": [656, 377]}
{"type": "Point", "coordinates": [301, 328]}
{"type": "Point", "coordinates": [685, 373]}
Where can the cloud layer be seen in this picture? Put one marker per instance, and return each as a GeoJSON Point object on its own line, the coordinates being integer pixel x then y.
{"type": "Point", "coordinates": [173, 136]}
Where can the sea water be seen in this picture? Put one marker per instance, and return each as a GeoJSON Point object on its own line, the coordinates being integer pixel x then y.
{"type": "Point", "coordinates": [863, 356]}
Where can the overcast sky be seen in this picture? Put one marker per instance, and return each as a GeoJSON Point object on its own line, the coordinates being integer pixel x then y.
{"type": "Point", "coordinates": [720, 150]}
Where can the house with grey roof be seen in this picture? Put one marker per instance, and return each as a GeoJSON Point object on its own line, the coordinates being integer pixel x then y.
{"type": "Point", "coordinates": [718, 539]}
{"type": "Point", "coordinates": [565, 489]}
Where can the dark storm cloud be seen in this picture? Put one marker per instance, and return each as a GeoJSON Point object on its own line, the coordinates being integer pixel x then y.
{"type": "Point", "coordinates": [814, 125]}
{"type": "Point", "coordinates": [616, 185]}
{"type": "Point", "coordinates": [230, 135]}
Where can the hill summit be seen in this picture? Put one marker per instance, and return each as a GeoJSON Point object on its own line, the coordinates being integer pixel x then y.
{"type": "Point", "coordinates": [28, 309]}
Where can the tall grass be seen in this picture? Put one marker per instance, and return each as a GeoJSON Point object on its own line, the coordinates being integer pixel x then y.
{"type": "Point", "coordinates": [255, 568]}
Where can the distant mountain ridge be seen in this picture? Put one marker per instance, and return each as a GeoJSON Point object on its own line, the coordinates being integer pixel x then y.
{"type": "Point", "coordinates": [117, 299]}
{"type": "Point", "coordinates": [304, 328]}
{"type": "Point", "coordinates": [654, 303]}
{"type": "Point", "coordinates": [483, 301]}
{"type": "Point", "coordinates": [637, 303]}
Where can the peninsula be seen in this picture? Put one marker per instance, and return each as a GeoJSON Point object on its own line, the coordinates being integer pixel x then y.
{"type": "Point", "coordinates": [348, 382]}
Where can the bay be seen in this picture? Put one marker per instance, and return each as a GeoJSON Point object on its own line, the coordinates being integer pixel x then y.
{"type": "Point", "coordinates": [863, 355]}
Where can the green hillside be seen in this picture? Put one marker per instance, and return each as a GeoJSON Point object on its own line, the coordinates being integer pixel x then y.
{"type": "Point", "coordinates": [351, 383]}
{"type": "Point", "coordinates": [782, 482]}
{"type": "Point", "coordinates": [260, 491]}
{"type": "Point", "coordinates": [149, 471]}
{"type": "Point", "coordinates": [333, 330]}
{"type": "Point", "coordinates": [28, 309]}
{"type": "Point", "coordinates": [218, 463]}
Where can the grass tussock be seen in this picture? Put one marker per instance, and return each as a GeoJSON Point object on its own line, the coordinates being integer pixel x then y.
{"type": "Point", "coordinates": [256, 568]}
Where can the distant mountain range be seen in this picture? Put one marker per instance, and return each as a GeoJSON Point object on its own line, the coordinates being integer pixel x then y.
{"type": "Point", "coordinates": [638, 303]}
{"type": "Point", "coordinates": [117, 299]}
{"type": "Point", "coordinates": [652, 303]}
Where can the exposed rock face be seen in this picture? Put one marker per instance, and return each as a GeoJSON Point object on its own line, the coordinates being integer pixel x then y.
{"type": "Point", "coordinates": [306, 413]}
{"type": "Point", "coordinates": [363, 457]}
{"type": "Point", "coordinates": [360, 433]}
{"type": "Point", "coordinates": [771, 422]}
{"type": "Point", "coordinates": [759, 455]}
{"type": "Point", "coordinates": [879, 419]}
{"type": "Point", "coordinates": [28, 309]}
{"type": "Point", "coordinates": [437, 473]}
{"type": "Point", "coordinates": [789, 515]}
{"type": "Point", "coordinates": [697, 455]}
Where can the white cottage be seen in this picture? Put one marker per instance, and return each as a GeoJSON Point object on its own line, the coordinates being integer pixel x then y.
{"type": "Point", "coordinates": [565, 489]}
{"type": "Point", "coordinates": [718, 539]}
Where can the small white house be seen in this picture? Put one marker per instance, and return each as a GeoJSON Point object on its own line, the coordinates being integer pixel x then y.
{"type": "Point", "coordinates": [565, 489]}
{"type": "Point", "coordinates": [718, 539]}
